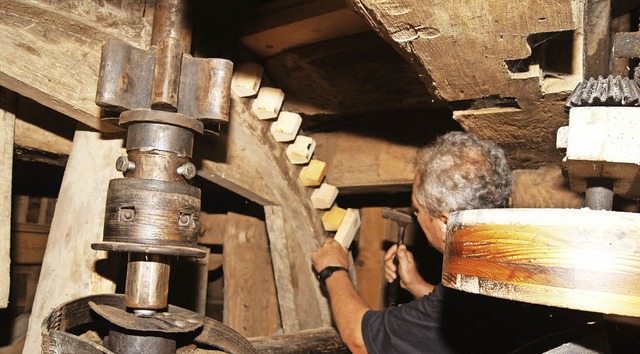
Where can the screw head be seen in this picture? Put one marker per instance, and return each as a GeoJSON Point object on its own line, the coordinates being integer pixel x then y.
{"type": "Point", "coordinates": [122, 163]}
{"type": "Point", "coordinates": [188, 170]}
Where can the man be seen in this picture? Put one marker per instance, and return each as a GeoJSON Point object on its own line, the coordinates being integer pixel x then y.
{"type": "Point", "coordinates": [457, 172]}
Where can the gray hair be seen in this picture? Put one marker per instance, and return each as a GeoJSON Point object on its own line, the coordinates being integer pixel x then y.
{"type": "Point", "coordinates": [459, 171]}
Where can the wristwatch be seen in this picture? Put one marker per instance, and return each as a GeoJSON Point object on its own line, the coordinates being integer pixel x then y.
{"type": "Point", "coordinates": [326, 272]}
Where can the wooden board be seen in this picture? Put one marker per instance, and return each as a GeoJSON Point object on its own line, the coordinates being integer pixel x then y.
{"type": "Point", "coordinates": [321, 340]}
{"type": "Point", "coordinates": [250, 301]}
{"type": "Point", "coordinates": [29, 242]}
{"type": "Point", "coordinates": [7, 128]}
{"type": "Point", "coordinates": [282, 268]}
{"type": "Point", "coordinates": [70, 267]}
{"type": "Point", "coordinates": [272, 29]}
{"type": "Point", "coordinates": [579, 259]}
{"type": "Point", "coordinates": [370, 262]}
{"type": "Point", "coordinates": [51, 53]}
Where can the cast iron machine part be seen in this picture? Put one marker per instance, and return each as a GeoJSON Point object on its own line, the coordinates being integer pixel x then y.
{"type": "Point", "coordinates": [402, 219]}
{"type": "Point", "coordinates": [164, 97]}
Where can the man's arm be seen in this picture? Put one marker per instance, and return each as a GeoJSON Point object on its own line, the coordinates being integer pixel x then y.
{"type": "Point", "coordinates": [347, 306]}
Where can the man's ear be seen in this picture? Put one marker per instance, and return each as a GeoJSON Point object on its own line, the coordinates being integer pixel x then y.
{"type": "Point", "coordinates": [444, 217]}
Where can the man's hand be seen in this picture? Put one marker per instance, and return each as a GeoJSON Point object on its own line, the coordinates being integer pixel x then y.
{"type": "Point", "coordinates": [330, 254]}
{"type": "Point", "coordinates": [410, 279]}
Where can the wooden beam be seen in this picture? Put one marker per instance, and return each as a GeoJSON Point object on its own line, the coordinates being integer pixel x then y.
{"type": "Point", "coordinates": [370, 262]}
{"type": "Point", "coordinates": [51, 53]}
{"type": "Point", "coordinates": [257, 163]}
{"type": "Point", "coordinates": [321, 340]}
{"type": "Point", "coordinates": [272, 30]}
{"type": "Point", "coordinates": [212, 229]}
{"type": "Point", "coordinates": [524, 62]}
{"type": "Point", "coordinates": [282, 268]}
{"type": "Point", "coordinates": [597, 38]}
{"type": "Point", "coordinates": [348, 76]}
{"type": "Point", "coordinates": [7, 128]}
{"type": "Point", "coordinates": [69, 265]}
{"type": "Point", "coordinates": [250, 301]}
{"type": "Point", "coordinates": [361, 163]}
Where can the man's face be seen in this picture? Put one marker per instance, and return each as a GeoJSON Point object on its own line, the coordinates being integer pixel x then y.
{"type": "Point", "coordinates": [434, 228]}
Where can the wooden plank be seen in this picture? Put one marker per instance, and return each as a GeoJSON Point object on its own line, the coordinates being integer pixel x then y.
{"type": "Point", "coordinates": [250, 301]}
{"type": "Point", "coordinates": [68, 269]}
{"type": "Point", "coordinates": [343, 76]}
{"type": "Point", "coordinates": [361, 163]}
{"type": "Point", "coordinates": [51, 53]}
{"type": "Point", "coordinates": [258, 163]}
{"type": "Point", "coordinates": [31, 136]}
{"type": "Point", "coordinates": [23, 287]}
{"type": "Point", "coordinates": [370, 262]}
{"type": "Point", "coordinates": [597, 38]}
{"type": "Point", "coordinates": [7, 128]}
{"type": "Point", "coordinates": [321, 340]}
{"type": "Point", "coordinates": [282, 268]}
{"type": "Point", "coordinates": [212, 229]}
{"type": "Point", "coordinates": [580, 259]}
{"type": "Point", "coordinates": [272, 32]}
{"type": "Point", "coordinates": [29, 243]}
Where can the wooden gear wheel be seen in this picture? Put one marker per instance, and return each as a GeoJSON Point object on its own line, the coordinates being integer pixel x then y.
{"type": "Point", "coordinates": [579, 259]}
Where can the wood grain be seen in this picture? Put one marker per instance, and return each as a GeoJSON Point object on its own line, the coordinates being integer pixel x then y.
{"type": "Point", "coordinates": [69, 265]}
{"type": "Point", "coordinates": [581, 259]}
{"type": "Point", "coordinates": [7, 128]}
{"type": "Point", "coordinates": [250, 301]}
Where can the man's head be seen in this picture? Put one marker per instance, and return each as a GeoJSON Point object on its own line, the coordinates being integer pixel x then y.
{"type": "Point", "coordinates": [458, 171]}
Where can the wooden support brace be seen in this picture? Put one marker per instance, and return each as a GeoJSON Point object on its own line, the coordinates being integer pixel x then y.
{"type": "Point", "coordinates": [267, 104]}
{"type": "Point", "coordinates": [349, 227]}
{"type": "Point", "coordinates": [332, 218]}
{"type": "Point", "coordinates": [246, 79]}
{"type": "Point", "coordinates": [301, 150]}
{"type": "Point", "coordinates": [286, 127]}
{"type": "Point", "coordinates": [250, 301]}
{"type": "Point", "coordinates": [324, 197]}
{"type": "Point", "coordinates": [7, 127]}
{"type": "Point", "coordinates": [313, 174]}
{"type": "Point", "coordinates": [69, 265]}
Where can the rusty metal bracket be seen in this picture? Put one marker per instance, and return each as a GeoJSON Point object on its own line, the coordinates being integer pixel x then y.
{"type": "Point", "coordinates": [127, 76]}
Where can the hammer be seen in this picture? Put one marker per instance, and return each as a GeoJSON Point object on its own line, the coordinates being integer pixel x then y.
{"type": "Point", "coordinates": [402, 219]}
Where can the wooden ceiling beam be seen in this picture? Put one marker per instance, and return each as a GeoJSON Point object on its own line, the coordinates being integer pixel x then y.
{"type": "Point", "coordinates": [51, 54]}
{"type": "Point", "coordinates": [276, 27]}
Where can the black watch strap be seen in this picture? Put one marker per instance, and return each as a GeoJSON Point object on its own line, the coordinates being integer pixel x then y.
{"type": "Point", "coordinates": [326, 272]}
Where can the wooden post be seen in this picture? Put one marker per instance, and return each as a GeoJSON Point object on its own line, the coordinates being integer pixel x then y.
{"type": "Point", "coordinates": [7, 128]}
{"type": "Point", "coordinates": [69, 265]}
{"type": "Point", "coordinates": [250, 302]}
{"type": "Point", "coordinates": [282, 268]}
{"type": "Point", "coordinates": [370, 263]}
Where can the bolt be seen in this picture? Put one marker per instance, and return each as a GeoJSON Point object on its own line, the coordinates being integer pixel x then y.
{"type": "Point", "coordinates": [127, 214]}
{"type": "Point", "coordinates": [123, 164]}
{"type": "Point", "coordinates": [184, 219]}
{"type": "Point", "coordinates": [180, 323]}
{"type": "Point", "coordinates": [188, 170]}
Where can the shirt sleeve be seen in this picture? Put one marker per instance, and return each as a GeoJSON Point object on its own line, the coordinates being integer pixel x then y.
{"type": "Point", "coordinates": [414, 327]}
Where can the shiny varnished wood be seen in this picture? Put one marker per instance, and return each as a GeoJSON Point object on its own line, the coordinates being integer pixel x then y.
{"type": "Point", "coordinates": [581, 259]}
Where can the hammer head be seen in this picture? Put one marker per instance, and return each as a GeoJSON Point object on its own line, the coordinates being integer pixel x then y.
{"type": "Point", "coordinates": [399, 216]}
